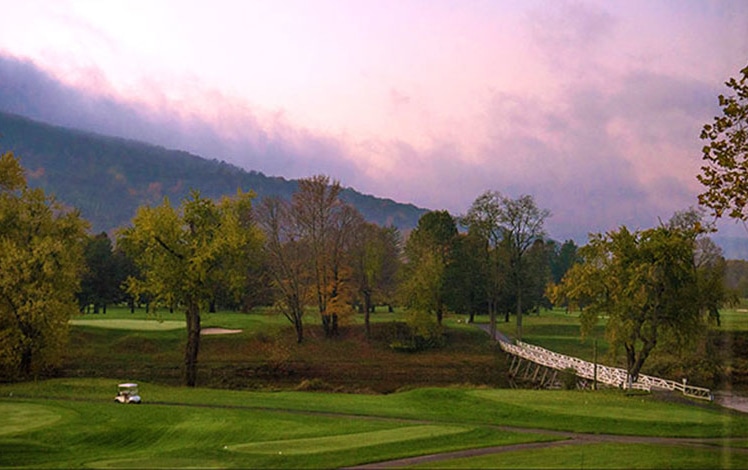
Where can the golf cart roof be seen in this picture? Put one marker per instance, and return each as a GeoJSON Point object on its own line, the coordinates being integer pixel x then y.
{"type": "Point", "coordinates": [127, 385]}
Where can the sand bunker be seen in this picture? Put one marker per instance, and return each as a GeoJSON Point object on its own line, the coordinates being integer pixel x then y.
{"type": "Point", "coordinates": [218, 331]}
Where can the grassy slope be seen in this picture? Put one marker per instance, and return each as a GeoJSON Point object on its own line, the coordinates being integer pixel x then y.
{"type": "Point", "coordinates": [72, 422]}
{"type": "Point", "coordinates": [265, 354]}
{"type": "Point", "coordinates": [203, 427]}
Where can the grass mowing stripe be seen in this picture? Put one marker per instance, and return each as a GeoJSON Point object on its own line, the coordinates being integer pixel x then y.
{"type": "Point", "coordinates": [138, 325]}
{"type": "Point", "coordinates": [609, 455]}
{"type": "Point", "coordinates": [346, 442]}
{"type": "Point", "coordinates": [20, 417]}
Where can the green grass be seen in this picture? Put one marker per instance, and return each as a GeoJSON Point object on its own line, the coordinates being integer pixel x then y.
{"type": "Point", "coordinates": [219, 428]}
{"type": "Point", "coordinates": [602, 412]}
{"type": "Point", "coordinates": [264, 355]}
{"type": "Point", "coordinates": [734, 319]}
{"type": "Point", "coordinates": [315, 445]}
{"type": "Point", "coordinates": [607, 455]}
{"type": "Point", "coordinates": [74, 422]}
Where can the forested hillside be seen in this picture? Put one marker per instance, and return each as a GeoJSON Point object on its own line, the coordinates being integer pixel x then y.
{"type": "Point", "coordinates": [107, 178]}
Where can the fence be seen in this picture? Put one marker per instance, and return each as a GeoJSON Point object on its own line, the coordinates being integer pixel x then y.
{"type": "Point", "coordinates": [611, 376]}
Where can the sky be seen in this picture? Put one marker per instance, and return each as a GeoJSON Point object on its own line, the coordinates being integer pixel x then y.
{"type": "Point", "coordinates": [592, 107]}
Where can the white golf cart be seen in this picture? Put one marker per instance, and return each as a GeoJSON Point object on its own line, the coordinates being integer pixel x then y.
{"type": "Point", "coordinates": [127, 393]}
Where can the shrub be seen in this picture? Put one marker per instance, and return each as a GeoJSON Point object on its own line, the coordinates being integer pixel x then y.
{"type": "Point", "coordinates": [568, 378]}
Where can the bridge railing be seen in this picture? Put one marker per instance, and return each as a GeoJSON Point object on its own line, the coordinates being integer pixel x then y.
{"type": "Point", "coordinates": [612, 376]}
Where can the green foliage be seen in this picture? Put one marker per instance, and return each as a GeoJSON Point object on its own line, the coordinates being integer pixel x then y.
{"type": "Point", "coordinates": [725, 173]}
{"type": "Point", "coordinates": [648, 285]}
{"type": "Point", "coordinates": [40, 267]}
{"type": "Point", "coordinates": [428, 252]}
{"type": "Point", "coordinates": [568, 378]}
{"type": "Point", "coordinates": [184, 258]}
{"type": "Point", "coordinates": [510, 228]}
{"type": "Point", "coordinates": [424, 330]}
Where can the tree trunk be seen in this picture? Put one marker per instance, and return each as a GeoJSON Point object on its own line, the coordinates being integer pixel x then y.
{"type": "Point", "coordinates": [26, 359]}
{"type": "Point", "coordinates": [299, 328]}
{"type": "Point", "coordinates": [367, 313]}
{"type": "Point", "coordinates": [638, 362]}
{"type": "Point", "coordinates": [519, 313]}
{"type": "Point", "coordinates": [326, 324]}
{"type": "Point", "coordinates": [334, 329]}
{"type": "Point", "coordinates": [492, 315]}
{"type": "Point", "coordinates": [192, 315]}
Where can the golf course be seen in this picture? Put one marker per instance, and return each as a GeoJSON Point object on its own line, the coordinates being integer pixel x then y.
{"type": "Point", "coordinates": [305, 421]}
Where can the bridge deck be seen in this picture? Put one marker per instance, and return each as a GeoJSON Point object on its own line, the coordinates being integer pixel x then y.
{"type": "Point", "coordinates": [611, 376]}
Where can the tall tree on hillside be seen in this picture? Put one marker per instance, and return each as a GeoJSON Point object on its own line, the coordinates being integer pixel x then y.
{"type": "Point", "coordinates": [183, 254]}
{"type": "Point", "coordinates": [647, 284]}
{"type": "Point", "coordinates": [41, 261]}
{"type": "Point", "coordinates": [725, 173]}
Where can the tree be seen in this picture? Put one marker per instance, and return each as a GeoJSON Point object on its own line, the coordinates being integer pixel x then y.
{"type": "Point", "coordinates": [725, 173]}
{"type": "Point", "coordinates": [711, 267]}
{"type": "Point", "coordinates": [375, 256]}
{"type": "Point", "coordinates": [466, 276]}
{"type": "Point", "coordinates": [41, 261]}
{"type": "Point", "coordinates": [647, 284]}
{"type": "Point", "coordinates": [562, 259]}
{"type": "Point", "coordinates": [326, 225]}
{"type": "Point", "coordinates": [511, 225]}
{"type": "Point", "coordinates": [183, 254]}
{"type": "Point", "coordinates": [287, 260]}
{"type": "Point", "coordinates": [428, 252]}
{"type": "Point", "coordinates": [104, 275]}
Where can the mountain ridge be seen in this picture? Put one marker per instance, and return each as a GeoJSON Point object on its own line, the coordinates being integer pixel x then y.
{"type": "Point", "coordinates": [108, 177]}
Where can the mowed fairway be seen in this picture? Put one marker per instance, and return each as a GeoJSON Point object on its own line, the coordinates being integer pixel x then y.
{"type": "Point", "coordinates": [74, 423]}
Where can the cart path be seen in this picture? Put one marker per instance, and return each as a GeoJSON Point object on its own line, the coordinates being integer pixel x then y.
{"type": "Point", "coordinates": [573, 439]}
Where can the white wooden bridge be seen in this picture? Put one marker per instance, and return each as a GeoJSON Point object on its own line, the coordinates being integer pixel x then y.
{"type": "Point", "coordinates": [542, 366]}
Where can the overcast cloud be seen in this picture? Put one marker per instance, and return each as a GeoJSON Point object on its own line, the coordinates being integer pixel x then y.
{"type": "Point", "coordinates": [593, 107]}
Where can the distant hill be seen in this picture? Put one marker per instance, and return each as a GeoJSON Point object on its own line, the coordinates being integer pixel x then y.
{"type": "Point", "coordinates": [108, 178]}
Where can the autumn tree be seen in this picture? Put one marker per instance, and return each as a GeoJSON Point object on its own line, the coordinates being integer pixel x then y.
{"type": "Point", "coordinates": [40, 266]}
{"type": "Point", "coordinates": [646, 283]}
{"type": "Point", "coordinates": [184, 253]}
{"type": "Point", "coordinates": [725, 173]}
{"type": "Point", "coordinates": [326, 226]}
